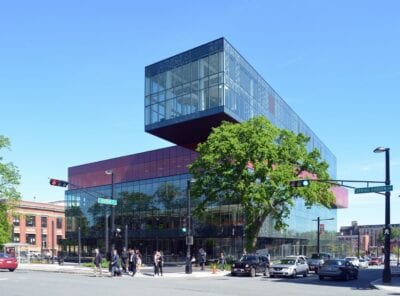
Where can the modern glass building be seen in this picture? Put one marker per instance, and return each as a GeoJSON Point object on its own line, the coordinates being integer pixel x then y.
{"type": "Point", "coordinates": [185, 97]}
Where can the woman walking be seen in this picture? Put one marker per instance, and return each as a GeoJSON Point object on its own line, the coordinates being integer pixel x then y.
{"type": "Point", "coordinates": [155, 261]}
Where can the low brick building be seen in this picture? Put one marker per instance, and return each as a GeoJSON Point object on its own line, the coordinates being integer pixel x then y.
{"type": "Point", "coordinates": [41, 225]}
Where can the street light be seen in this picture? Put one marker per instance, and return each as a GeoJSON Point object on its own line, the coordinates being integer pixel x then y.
{"type": "Point", "coordinates": [189, 237]}
{"type": "Point", "coordinates": [110, 172]}
{"type": "Point", "coordinates": [387, 276]}
{"type": "Point", "coordinates": [318, 229]}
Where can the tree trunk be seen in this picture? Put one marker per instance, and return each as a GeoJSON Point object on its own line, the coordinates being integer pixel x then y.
{"type": "Point", "coordinates": [251, 230]}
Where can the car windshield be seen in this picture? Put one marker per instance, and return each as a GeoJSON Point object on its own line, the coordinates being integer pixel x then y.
{"type": "Point", "coordinates": [334, 262]}
{"type": "Point", "coordinates": [287, 261]}
{"type": "Point", "coordinates": [247, 258]}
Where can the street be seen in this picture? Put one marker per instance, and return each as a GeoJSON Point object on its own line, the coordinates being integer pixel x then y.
{"type": "Point", "coordinates": [24, 283]}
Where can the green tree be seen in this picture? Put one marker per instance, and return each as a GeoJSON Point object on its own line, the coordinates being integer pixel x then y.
{"type": "Point", "coordinates": [9, 179]}
{"type": "Point", "coordinates": [277, 156]}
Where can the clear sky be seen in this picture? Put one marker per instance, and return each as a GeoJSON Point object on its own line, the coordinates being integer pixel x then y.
{"type": "Point", "coordinates": [72, 79]}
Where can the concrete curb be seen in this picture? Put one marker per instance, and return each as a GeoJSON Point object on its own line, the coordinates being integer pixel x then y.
{"type": "Point", "coordinates": [377, 284]}
{"type": "Point", "coordinates": [146, 272]}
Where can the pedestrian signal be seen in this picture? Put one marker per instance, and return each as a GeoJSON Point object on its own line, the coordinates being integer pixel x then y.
{"type": "Point", "coordinates": [61, 183]}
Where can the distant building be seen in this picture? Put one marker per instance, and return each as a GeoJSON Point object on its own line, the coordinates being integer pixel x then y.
{"type": "Point", "coordinates": [41, 225]}
{"type": "Point", "coordinates": [368, 236]}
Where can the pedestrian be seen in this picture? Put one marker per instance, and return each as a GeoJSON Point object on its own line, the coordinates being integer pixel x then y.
{"type": "Point", "coordinates": [124, 259]}
{"type": "Point", "coordinates": [132, 262]}
{"type": "Point", "coordinates": [222, 261]}
{"type": "Point", "coordinates": [115, 264]}
{"type": "Point", "coordinates": [203, 258]}
{"type": "Point", "coordinates": [138, 260]}
{"type": "Point", "coordinates": [155, 262]}
{"type": "Point", "coordinates": [160, 262]}
{"type": "Point", "coordinates": [97, 263]}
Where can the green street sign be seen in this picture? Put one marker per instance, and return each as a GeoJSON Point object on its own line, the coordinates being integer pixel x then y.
{"type": "Point", "coordinates": [106, 201]}
{"type": "Point", "coordinates": [373, 189]}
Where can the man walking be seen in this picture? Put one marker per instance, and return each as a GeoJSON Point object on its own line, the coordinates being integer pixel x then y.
{"type": "Point", "coordinates": [115, 264]}
{"type": "Point", "coordinates": [124, 259]}
{"type": "Point", "coordinates": [203, 258]}
{"type": "Point", "coordinates": [132, 262]}
{"type": "Point", "coordinates": [97, 263]}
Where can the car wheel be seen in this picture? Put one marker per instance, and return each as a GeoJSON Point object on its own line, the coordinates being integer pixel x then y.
{"type": "Point", "coordinates": [346, 276]}
{"type": "Point", "coordinates": [305, 274]}
{"type": "Point", "coordinates": [321, 277]}
{"type": "Point", "coordinates": [233, 274]}
{"type": "Point", "coordinates": [253, 272]}
{"type": "Point", "coordinates": [11, 269]}
{"type": "Point", "coordinates": [294, 273]}
{"type": "Point", "coordinates": [355, 275]}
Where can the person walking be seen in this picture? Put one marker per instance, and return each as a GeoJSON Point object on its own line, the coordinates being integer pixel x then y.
{"type": "Point", "coordinates": [203, 258]}
{"type": "Point", "coordinates": [115, 264]}
{"type": "Point", "coordinates": [138, 260]}
{"type": "Point", "coordinates": [155, 262]}
{"type": "Point", "coordinates": [160, 262]}
{"type": "Point", "coordinates": [222, 261]}
{"type": "Point", "coordinates": [97, 263]}
{"type": "Point", "coordinates": [132, 262]}
{"type": "Point", "coordinates": [124, 259]}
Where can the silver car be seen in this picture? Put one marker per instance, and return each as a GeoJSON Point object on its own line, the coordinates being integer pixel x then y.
{"type": "Point", "coordinates": [290, 267]}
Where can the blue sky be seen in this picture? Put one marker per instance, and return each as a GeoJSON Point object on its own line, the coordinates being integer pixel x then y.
{"type": "Point", "coordinates": [72, 79]}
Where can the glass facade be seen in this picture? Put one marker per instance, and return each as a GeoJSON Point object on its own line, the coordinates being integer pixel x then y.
{"type": "Point", "coordinates": [153, 211]}
{"type": "Point", "coordinates": [215, 78]}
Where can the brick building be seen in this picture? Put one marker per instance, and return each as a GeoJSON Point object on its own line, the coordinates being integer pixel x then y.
{"type": "Point", "coordinates": [41, 225]}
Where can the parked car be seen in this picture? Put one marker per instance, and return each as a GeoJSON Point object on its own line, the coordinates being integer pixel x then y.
{"type": "Point", "coordinates": [316, 260]}
{"type": "Point", "coordinates": [375, 261]}
{"type": "Point", "coordinates": [363, 263]}
{"type": "Point", "coordinates": [338, 269]}
{"type": "Point", "coordinates": [7, 262]}
{"type": "Point", "coordinates": [290, 267]}
{"type": "Point", "coordinates": [354, 260]}
{"type": "Point", "coordinates": [250, 264]}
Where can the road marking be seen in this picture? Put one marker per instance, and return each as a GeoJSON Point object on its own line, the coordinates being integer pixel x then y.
{"type": "Point", "coordinates": [3, 279]}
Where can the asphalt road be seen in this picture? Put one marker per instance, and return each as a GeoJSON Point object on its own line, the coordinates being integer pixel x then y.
{"type": "Point", "coordinates": [22, 283]}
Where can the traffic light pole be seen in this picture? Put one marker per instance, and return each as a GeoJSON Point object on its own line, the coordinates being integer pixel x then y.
{"type": "Point", "coordinates": [387, 275]}
{"type": "Point", "coordinates": [319, 231]}
{"type": "Point", "coordinates": [318, 234]}
{"type": "Point", "coordinates": [188, 267]}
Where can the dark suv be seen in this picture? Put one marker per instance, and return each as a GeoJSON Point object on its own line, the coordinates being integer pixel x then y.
{"type": "Point", "coordinates": [251, 264]}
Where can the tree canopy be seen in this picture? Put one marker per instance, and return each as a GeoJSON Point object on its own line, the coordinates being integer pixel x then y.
{"type": "Point", "coordinates": [251, 164]}
{"type": "Point", "coordinates": [9, 179]}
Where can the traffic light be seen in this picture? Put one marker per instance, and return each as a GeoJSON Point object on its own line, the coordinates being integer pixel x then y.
{"type": "Point", "coordinates": [300, 183]}
{"type": "Point", "coordinates": [184, 227]}
{"type": "Point", "coordinates": [61, 183]}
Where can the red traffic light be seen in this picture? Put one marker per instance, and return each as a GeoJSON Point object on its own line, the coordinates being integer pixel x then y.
{"type": "Point", "coordinates": [300, 183]}
{"type": "Point", "coordinates": [61, 183]}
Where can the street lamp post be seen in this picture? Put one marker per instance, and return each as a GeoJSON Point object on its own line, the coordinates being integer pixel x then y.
{"type": "Point", "coordinates": [318, 230]}
{"type": "Point", "coordinates": [387, 276]}
{"type": "Point", "coordinates": [110, 172]}
{"type": "Point", "coordinates": [189, 237]}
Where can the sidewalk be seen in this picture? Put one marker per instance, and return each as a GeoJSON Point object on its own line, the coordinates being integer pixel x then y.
{"type": "Point", "coordinates": [393, 287]}
{"type": "Point", "coordinates": [146, 271]}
